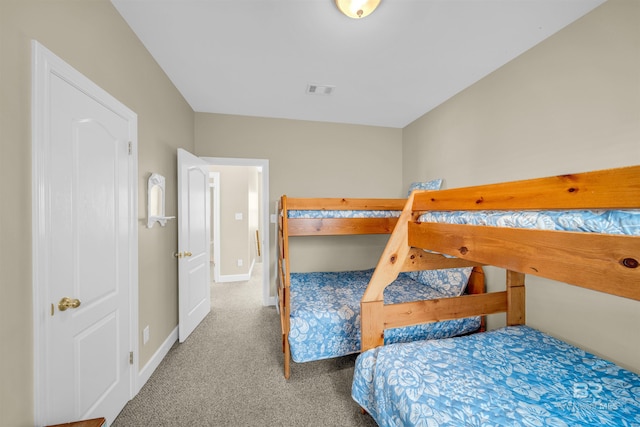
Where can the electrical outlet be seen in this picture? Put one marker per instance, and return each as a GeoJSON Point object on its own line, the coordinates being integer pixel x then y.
{"type": "Point", "coordinates": [145, 335]}
{"type": "Point", "coordinates": [240, 263]}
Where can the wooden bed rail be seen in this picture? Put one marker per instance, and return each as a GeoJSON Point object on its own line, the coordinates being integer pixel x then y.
{"type": "Point", "coordinates": [347, 204]}
{"type": "Point", "coordinates": [582, 259]}
{"type": "Point", "coordinates": [340, 226]}
{"type": "Point", "coordinates": [606, 189]}
{"type": "Point", "coordinates": [377, 316]}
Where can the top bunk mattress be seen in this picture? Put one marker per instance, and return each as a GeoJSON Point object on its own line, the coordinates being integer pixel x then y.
{"type": "Point", "coordinates": [342, 214]}
{"type": "Point", "coordinates": [515, 376]}
{"type": "Point", "coordinates": [625, 222]}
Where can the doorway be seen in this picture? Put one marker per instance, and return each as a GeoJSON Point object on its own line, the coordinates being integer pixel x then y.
{"type": "Point", "coordinates": [262, 241]}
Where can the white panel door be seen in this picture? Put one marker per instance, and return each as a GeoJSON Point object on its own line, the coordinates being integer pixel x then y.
{"type": "Point", "coordinates": [194, 211]}
{"type": "Point", "coordinates": [85, 207]}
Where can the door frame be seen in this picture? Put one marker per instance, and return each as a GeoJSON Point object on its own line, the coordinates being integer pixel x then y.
{"type": "Point", "coordinates": [214, 186]}
{"type": "Point", "coordinates": [44, 64]}
{"type": "Point", "coordinates": [264, 215]}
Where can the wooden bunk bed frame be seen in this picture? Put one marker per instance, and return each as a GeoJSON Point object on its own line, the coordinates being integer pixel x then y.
{"type": "Point", "coordinates": [581, 259]}
{"type": "Point", "coordinates": [292, 227]}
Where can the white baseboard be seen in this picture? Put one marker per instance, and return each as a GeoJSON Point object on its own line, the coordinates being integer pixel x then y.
{"type": "Point", "coordinates": [145, 373]}
{"type": "Point", "coordinates": [234, 278]}
{"type": "Point", "coordinates": [237, 277]}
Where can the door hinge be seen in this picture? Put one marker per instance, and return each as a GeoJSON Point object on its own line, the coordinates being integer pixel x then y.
{"type": "Point", "coordinates": [130, 147]}
{"type": "Point", "coordinates": [131, 358]}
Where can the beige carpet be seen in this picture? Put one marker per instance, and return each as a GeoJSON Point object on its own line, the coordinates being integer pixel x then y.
{"type": "Point", "coordinates": [229, 373]}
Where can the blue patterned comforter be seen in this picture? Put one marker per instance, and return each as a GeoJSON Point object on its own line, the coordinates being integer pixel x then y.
{"type": "Point", "coordinates": [325, 310]}
{"type": "Point", "coordinates": [594, 221]}
{"type": "Point", "coordinates": [342, 214]}
{"type": "Point", "coordinates": [515, 376]}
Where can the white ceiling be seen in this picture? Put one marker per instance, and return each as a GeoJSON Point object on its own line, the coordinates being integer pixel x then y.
{"type": "Point", "coordinates": [256, 57]}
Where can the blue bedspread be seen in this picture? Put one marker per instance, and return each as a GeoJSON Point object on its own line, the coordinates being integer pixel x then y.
{"type": "Point", "coordinates": [342, 214]}
{"type": "Point", "coordinates": [325, 311]}
{"type": "Point", "coordinates": [515, 376]}
{"type": "Point", "coordinates": [591, 221]}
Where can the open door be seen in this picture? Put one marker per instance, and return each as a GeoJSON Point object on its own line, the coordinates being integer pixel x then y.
{"type": "Point", "coordinates": [194, 293]}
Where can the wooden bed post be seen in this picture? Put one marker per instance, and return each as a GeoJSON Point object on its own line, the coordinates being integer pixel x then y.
{"type": "Point", "coordinates": [475, 286]}
{"type": "Point", "coordinates": [372, 330]}
{"type": "Point", "coordinates": [515, 298]}
{"type": "Point", "coordinates": [283, 286]}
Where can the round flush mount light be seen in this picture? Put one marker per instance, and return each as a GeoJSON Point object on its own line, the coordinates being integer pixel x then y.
{"type": "Point", "coordinates": [357, 8]}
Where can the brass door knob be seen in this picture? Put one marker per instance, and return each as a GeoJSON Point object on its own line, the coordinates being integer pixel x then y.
{"type": "Point", "coordinates": [188, 254]}
{"type": "Point", "coordinates": [67, 302]}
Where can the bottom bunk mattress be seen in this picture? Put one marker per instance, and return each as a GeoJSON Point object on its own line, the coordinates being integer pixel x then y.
{"type": "Point", "coordinates": [325, 312]}
{"type": "Point", "coordinates": [515, 376]}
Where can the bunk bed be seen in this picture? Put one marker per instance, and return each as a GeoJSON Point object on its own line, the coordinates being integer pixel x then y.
{"type": "Point", "coordinates": [581, 229]}
{"type": "Point", "coordinates": [320, 311]}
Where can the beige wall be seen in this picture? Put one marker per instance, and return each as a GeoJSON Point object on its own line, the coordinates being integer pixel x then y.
{"type": "Point", "coordinates": [570, 104]}
{"type": "Point", "coordinates": [92, 37]}
{"type": "Point", "coordinates": [238, 185]}
{"type": "Point", "coordinates": [311, 159]}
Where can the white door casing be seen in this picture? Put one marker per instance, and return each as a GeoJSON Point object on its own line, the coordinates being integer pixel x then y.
{"type": "Point", "coordinates": [194, 292]}
{"type": "Point", "coordinates": [215, 223]}
{"type": "Point", "coordinates": [84, 245]}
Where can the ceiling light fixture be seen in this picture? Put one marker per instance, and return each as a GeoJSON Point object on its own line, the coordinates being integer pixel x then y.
{"type": "Point", "coordinates": [357, 8]}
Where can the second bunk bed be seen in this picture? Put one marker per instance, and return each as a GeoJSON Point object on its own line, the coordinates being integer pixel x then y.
{"type": "Point", "coordinates": [320, 311]}
{"type": "Point", "coordinates": [581, 229]}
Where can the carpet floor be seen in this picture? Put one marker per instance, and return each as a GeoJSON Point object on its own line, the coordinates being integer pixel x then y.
{"type": "Point", "coordinates": [229, 373]}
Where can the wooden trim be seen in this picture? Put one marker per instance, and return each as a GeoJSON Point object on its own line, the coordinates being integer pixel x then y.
{"type": "Point", "coordinates": [94, 422]}
{"type": "Point", "coordinates": [417, 259]}
{"type": "Point", "coordinates": [477, 285]}
{"type": "Point", "coordinates": [372, 324]}
{"type": "Point", "coordinates": [335, 203]}
{"type": "Point", "coordinates": [339, 226]}
{"type": "Point", "coordinates": [605, 189]}
{"type": "Point", "coordinates": [417, 312]}
{"type": "Point", "coordinates": [515, 298]}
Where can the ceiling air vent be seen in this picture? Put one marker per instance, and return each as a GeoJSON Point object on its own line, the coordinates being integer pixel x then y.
{"type": "Point", "coordinates": [314, 89]}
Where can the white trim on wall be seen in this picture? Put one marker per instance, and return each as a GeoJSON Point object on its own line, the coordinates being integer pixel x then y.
{"type": "Point", "coordinates": [215, 226]}
{"type": "Point", "coordinates": [145, 373]}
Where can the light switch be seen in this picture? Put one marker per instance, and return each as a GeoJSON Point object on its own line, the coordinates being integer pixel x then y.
{"type": "Point", "coordinates": [239, 216]}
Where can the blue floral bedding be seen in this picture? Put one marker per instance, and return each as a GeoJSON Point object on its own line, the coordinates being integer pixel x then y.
{"type": "Point", "coordinates": [325, 310]}
{"type": "Point", "coordinates": [342, 214]}
{"type": "Point", "coordinates": [515, 376]}
{"type": "Point", "coordinates": [595, 221]}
